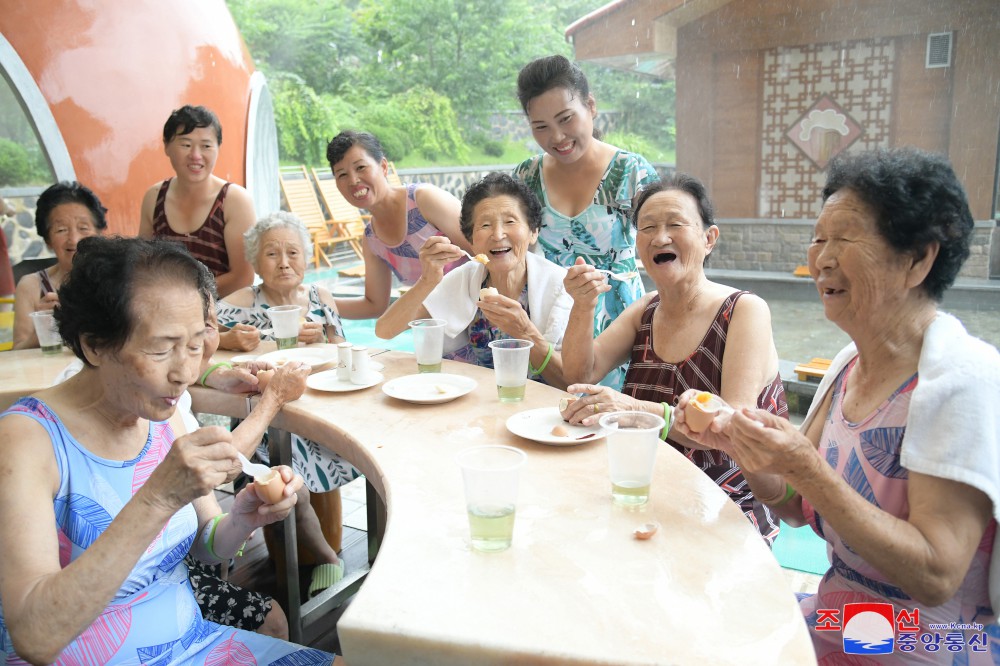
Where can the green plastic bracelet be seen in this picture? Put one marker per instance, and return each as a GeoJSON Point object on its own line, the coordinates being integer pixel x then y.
{"type": "Point", "coordinates": [789, 494]}
{"type": "Point", "coordinates": [544, 364]}
{"type": "Point", "coordinates": [212, 368]}
{"type": "Point", "coordinates": [210, 543]}
{"type": "Point", "coordinates": [668, 417]}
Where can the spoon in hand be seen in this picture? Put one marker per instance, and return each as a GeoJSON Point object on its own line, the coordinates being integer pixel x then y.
{"type": "Point", "coordinates": [622, 277]}
{"type": "Point", "coordinates": [252, 469]}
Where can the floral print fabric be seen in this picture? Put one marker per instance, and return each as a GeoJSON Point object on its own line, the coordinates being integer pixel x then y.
{"type": "Point", "coordinates": [602, 234]}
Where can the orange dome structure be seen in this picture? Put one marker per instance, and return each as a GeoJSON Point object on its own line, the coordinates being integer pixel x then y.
{"type": "Point", "coordinates": [98, 80]}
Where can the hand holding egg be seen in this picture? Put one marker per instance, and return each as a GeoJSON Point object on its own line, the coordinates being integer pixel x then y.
{"type": "Point", "coordinates": [260, 503]}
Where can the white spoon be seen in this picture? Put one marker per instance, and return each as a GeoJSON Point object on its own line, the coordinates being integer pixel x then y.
{"type": "Point", "coordinates": [253, 469]}
{"type": "Point", "coordinates": [622, 277]}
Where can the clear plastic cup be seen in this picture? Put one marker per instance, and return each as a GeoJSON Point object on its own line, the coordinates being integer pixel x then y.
{"type": "Point", "coordinates": [491, 476]}
{"type": "Point", "coordinates": [285, 324]}
{"type": "Point", "coordinates": [510, 364]}
{"type": "Point", "coordinates": [633, 438]}
{"type": "Point", "coordinates": [428, 343]}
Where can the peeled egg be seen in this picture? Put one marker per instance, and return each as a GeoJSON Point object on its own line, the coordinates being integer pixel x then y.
{"type": "Point", "coordinates": [560, 431]}
{"type": "Point", "coordinates": [645, 531]}
{"type": "Point", "coordinates": [263, 377]}
{"type": "Point", "coordinates": [704, 407]}
{"type": "Point", "coordinates": [270, 487]}
{"type": "Point", "coordinates": [488, 291]}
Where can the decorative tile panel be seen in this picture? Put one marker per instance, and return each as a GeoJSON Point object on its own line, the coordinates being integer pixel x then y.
{"type": "Point", "coordinates": [849, 86]}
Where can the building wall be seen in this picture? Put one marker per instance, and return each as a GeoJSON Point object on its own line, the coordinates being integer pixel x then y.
{"type": "Point", "coordinates": [746, 72]}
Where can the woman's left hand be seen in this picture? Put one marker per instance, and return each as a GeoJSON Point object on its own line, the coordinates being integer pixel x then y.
{"type": "Point", "coordinates": [232, 380]}
{"type": "Point", "coordinates": [507, 315]}
{"type": "Point", "coordinates": [310, 332]}
{"type": "Point", "coordinates": [600, 400]}
{"type": "Point", "coordinates": [251, 511]}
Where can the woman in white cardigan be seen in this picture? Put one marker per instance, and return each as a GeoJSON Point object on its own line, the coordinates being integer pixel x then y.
{"type": "Point", "coordinates": [897, 466]}
{"type": "Point", "coordinates": [515, 294]}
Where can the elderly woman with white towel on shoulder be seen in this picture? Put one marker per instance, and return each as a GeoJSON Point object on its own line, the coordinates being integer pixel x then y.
{"type": "Point", "coordinates": [897, 465]}
{"type": "Point", "coordinates": [515, 294]}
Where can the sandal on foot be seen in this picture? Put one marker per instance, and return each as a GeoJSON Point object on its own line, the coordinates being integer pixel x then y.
{"type": "Point", "coordinates": [324, 576]}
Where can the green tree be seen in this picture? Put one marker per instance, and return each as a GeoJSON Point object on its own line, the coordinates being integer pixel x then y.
{"type": "Point", "coordinates": [467, 50]}
{"type": "Point", "coordinates": [313, 39]}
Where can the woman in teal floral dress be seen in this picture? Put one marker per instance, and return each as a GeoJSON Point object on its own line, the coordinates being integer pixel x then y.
{"type": "Point", "coordinates": [586, 186]}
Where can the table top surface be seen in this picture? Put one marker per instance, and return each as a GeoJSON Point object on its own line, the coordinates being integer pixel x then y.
{"type": "Point", "coordinates": [575, 586]}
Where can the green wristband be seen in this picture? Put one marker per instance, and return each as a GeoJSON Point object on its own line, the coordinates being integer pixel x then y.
{"type": "Point", "coordinates": [212, 368]}
{"type": "Point", "coordinates": [544, 364]}
{"type": "Point", "coordinates": [668, 418]}
{"type": "Point", "coordinates": [789, 494]}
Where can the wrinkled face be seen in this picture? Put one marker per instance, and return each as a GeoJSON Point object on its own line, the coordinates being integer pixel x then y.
{"type": "Point", "coordinates": [67, 224]}
{"type": "Point", "coordinates": [360, 178]}
{"type": "Point", "coordinates": [859, 276]}
{"type": "Point", "coordinates": [193, 155]}
{"type": "Point", "coordinates": [281, 261]}
{"type": "Point", "coordinates": [562, 123]}
{"type": "Point", "coordinates": [671, 238]}
{"type": "Point", "coordinates": [162, 356]}
{"type": "Point", "coordinates": [500, 231]}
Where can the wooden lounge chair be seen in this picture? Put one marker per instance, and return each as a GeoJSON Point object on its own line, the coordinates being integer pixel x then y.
{"type": "Point", "coordinates": [393, 176]}
{"type": "Point", "coordinates": [346, 220]}
{"type": "Point", "coordinates": [300, 197]}
{"type": "Point", "coordinates": [813, 371]}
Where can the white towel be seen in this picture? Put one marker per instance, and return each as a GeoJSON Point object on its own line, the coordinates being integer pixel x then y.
{"type": "Point", "coordinates": [957, 374]}
{"type": "Point", "coordinates": [454, 300]}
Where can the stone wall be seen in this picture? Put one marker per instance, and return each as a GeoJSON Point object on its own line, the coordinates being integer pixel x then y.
{"type": "Point", "coordinates": [780, 245]}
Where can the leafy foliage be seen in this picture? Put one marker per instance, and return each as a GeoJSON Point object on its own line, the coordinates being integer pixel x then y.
{"type": "Point", "coordinates": [421, 73]}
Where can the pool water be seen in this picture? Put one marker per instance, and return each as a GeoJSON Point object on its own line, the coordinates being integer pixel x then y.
{"type": "Point", "coordinates": [362, 332]}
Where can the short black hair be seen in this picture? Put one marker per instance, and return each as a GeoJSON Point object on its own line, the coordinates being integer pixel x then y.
{"type": "Point", "coordinates": [685, 183]}
{"type": "Point", "coordinates": [95, 299]}
{"type": "Point", "coordinates": [340, 144]}
{"type": "Point", "coordinates": [189, 118]}
{"type": "Point", "coordinates": [496, 184]}
{"type": "Point", "coordinates": [917, 199]}
{"type": "Point", "coordinates": [65, 192]}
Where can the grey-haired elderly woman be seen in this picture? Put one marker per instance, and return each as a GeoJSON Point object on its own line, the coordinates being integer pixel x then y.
{"type": "Point", "coordinates": [277, 247]}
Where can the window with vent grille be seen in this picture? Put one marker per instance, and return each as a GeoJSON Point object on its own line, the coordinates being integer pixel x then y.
{"type": "Point", "coordinates": [938, 49]}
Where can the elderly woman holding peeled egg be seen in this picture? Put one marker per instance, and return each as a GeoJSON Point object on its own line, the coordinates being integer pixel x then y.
{"type": "Point", "coordinates": [516, 294]}
{"type": "Point", "coordinates": [896, 464]}
{"type": "Point", "coordinates": [690, 333]}
{"type": "Point", "coordinates": [103, 491]}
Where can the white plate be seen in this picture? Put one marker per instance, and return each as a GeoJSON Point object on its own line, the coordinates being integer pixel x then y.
{"type": "Point", "coordinates": [310, 356]}
{"type": "Point", "coordinates": [428, 387]}
{"type": "Point", "coordinates": [328, 381]}
{"type": "Point", "coordinates": [537, 424]}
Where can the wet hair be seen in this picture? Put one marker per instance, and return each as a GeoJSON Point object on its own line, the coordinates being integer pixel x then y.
{"type": "Point", "coordinates": [189, 118]}
{"type": "Point", "coordinates": [684, 183]}
{"type": "Point", "coordinates": [67, 192]}
{"type": "Point", "coordinates": [340, 144]}
{"type": "Point", "coordinates": [276, 220]}
{"type": "Point", "coordinates": [917, 199]}
{"type": "Point", "coordinates": [95, 299]}
{"type": "Point", "coordinates": [497, 184]}
{"type": "Point", "coordinates": [543, 74]}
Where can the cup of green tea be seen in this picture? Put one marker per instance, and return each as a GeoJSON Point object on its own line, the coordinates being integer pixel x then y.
{"type": "Point", "coordinates": [510, 363]}
{"type": "Point", "coordinates": [428, 343]}
{"type": "Point", "coordinates": [491, 476]}
{"type": "Point", "coordinates": [285, 324]}
{"type": "Point", "coordinates": [48, 333]}
{"type": "Point", "coordinates": [633, 438]}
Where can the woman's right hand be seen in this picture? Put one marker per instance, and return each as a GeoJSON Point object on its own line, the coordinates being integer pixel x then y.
{"type": "Point", "coordinates": [195, 464]}
{"type": "Point", "coordinates": [436, 253]}
{"type": "Point", "coordinates": [289, 381]}
{"type": "Point", "coordinates": [241, 337]}
{"type": "Point", "coordinates": [47, 302]}
{"type": "Point", "coordinates": [584, 284]}
{"type": "Point", "coordinates": [712, 437]}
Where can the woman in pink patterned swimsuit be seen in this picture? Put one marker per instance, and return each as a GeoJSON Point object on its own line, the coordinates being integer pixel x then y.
{"type": "Point", "coordinates": [897, 463]}
{"type": "Point", "coordinates": [403, 218]}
